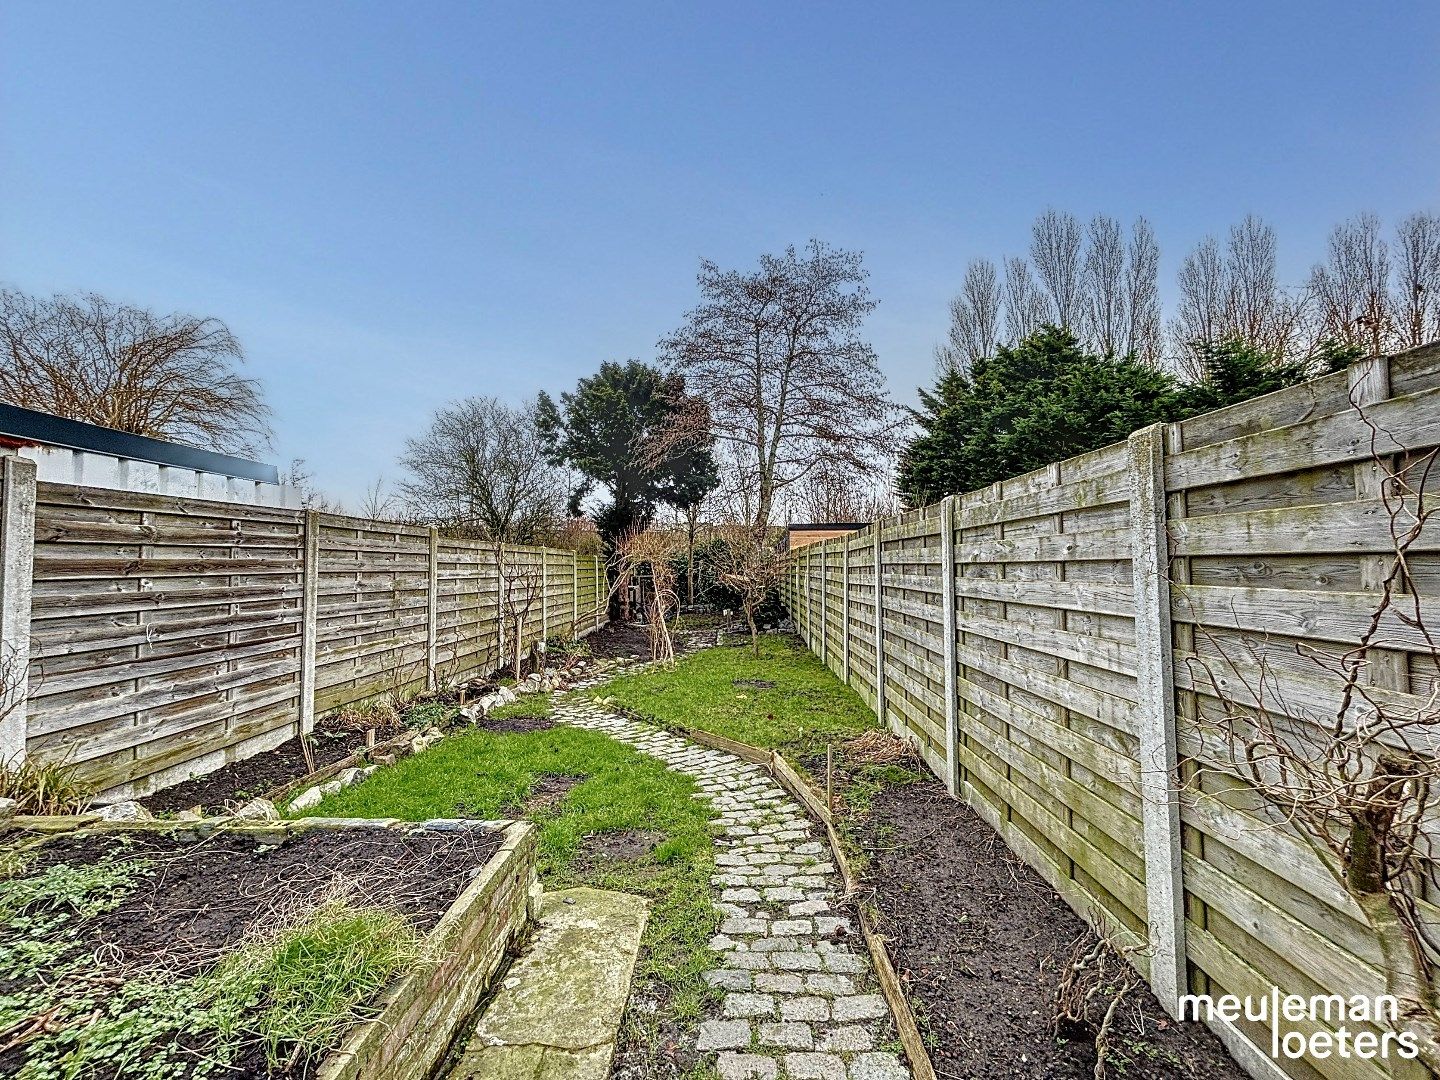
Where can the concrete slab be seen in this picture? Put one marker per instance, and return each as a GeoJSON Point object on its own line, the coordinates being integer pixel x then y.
{"type": "Point", "coordinates": [558, 1011]}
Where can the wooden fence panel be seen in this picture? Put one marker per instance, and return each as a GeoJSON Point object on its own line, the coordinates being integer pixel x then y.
{"type": "Point", "coordinates": [1279, 538]}
{"type": "Point", "coordinates": [167, 636]}
{"type": "Point", "coordinates": [163, 630]}
{"type": "Point", "coordinates": [371, 621]}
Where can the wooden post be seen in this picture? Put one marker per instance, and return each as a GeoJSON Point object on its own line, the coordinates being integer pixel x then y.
{"type": "Point", "coordinates": [879, 635]}
{"type": "Point", "coordinates": [309, 606]}
{"type": "Point", "coordinates": [845, 611]}
{"type": "Point", "coordinates": [947, 612]}
{"type": "Point", "coordinates": [1155, 713]}
{"type": "Point", "coordinates": [17, 576]}
{"type": "Point", "coordinates": [432, 612]}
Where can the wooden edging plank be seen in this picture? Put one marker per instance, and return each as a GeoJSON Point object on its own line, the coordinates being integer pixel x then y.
{"type": "Point", "coordinates": [786, 776]}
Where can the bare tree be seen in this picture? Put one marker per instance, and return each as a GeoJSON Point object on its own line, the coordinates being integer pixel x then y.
{"type": "Point", "coordinates": [1143, 336]}
{"type": "Point", "coordinates": [1103, 318]}
{"type": "Point", "coordinates": [974, 319]}
{"type": "Point", "coordinates": [378, 503]}
{"type": "Point", "coordinates": [1200, 316]}
{"type": "Point", "coordinates": [299, 476]}
{"type": "Point", "coordinates": [1026, 308]}
{"type": "Point", "coordinates": [163, 376]}
{"type": "Point", "coordinates": [1352, 287]}
{"type": "Point", "coordinates": [483, 466]}
{"type": "Point", "coordinates": [522, 589]}
{"type": "Point", "coordinates": [829, 495]}
{"type": "Point", "coordinates": [750, 564]}
{"type": "Point", "coordinates": [1056, 239]}
{"type": "Point", "coordinates": [1415, 307]}
{"type": "Point", "coordinates": [778, 357]}
{"type": "Point", "coordinates": [647, 559]}
{"type": "Point", "coordinates": [1236, 295]}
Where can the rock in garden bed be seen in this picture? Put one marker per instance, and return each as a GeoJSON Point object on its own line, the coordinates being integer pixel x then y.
{"type": "Point", "coordinates": [980, 942]}
{"type": "Point", "coordinates": [271, 951]}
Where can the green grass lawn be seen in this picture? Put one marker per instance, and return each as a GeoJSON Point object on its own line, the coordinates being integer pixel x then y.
{"type": "Point", "coordinates": [483, 774]}
{"type": "Point", "coordinates": [806, 708]}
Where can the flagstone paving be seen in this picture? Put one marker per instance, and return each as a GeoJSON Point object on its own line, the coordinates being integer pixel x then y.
{"type": "Point", "coordinates": [799, 993]}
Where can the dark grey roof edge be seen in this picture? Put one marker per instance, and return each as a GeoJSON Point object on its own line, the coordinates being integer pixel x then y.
{"type": "Point", "coordinates": [27, 426]}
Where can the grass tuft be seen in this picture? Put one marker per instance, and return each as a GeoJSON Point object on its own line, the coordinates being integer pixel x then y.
{"type": "Point", "coordinates": [44, 787]}
{"type": "Point", "coordinates": [298, 992]}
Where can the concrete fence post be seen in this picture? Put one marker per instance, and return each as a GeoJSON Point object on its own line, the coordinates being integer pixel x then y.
{"type": "Point", "coordinates": [824, 602]}
{"type": "Point", "coordinates": [602, 589]}
{"type": "Point", "coordinates": [309, 612]}
{"type": "Point", "coordinates": [845, 611]}
{"type": "Point", "coordinates": [17, 571]}
{"type": "Point", "coordinates": [1154, 657]}
{"type": "Point", "coordinates": [574, 593]}
{"type": "Point", "coordinates": [500, 604]}
{"type": "Point", "coordinates": [947, 615]}
{"type": "Point", "coordinates": [544, 597]}
{"type": "Point", "coordinates": [879, 633]}
{"type": "Point", "coordinates": [432, 611]}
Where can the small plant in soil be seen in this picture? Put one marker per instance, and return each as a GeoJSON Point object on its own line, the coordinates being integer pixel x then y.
{"type": "Point", "coordinates": [44, 787]}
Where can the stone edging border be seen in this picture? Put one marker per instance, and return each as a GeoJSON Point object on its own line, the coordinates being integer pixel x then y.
{"type": "Point", "coordinates": [788, 778]}
{"type": "Point", "coordinates": [277, 795]}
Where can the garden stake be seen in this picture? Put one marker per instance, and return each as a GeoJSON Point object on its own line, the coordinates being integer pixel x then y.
{"type": "Point", "coordinates": [830, 777]}
{"type": "Point", "coordinates": [370, 738]}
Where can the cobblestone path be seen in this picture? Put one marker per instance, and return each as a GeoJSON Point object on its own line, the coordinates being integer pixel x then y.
{"type": "Point", "coordinates": [799, 993]}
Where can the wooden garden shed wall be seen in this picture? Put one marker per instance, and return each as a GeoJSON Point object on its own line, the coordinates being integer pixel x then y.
{"type": "Point", "coordinates": [1050, 640]}
{"type": "Point", "coordinates": [167, 636]}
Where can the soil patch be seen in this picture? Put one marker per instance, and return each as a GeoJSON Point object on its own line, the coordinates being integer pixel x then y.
{"type": "Point", "coordinates": [200, 898]}
{"type": "Point", "coordinates": [254, 776]}
{"type": "Point", "coordinates": [515, 725]}
{"type": "Point", "coordinates": [623, 845]}
{"type": "Point", "coordinates": [980, 941]}
{"type": "Point", "coordinates": [548, 790]}
{"type": "Point", "coordinates": [758, 684]}
{"type": "Point", "coordinates": [620, 640]}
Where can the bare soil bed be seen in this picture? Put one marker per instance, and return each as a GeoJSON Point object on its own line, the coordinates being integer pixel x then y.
{"type": "Point", "coordinates": [980, 942]}
{"type": "Point", "coordinates": [254, 776]}
{"type": "Point", "coordinates": [620, 641]}
{"type": "Point", "coordinates": [195, 900]}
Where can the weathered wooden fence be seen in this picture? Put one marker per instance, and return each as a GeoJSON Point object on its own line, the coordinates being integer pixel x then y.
{"type": "Point", "coordinates": [1050, 640]}
{"type": "Point", "coordinates": [166, 636]}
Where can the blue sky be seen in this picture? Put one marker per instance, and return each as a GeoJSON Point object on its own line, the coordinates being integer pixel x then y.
{"type": "Point", "coordinates": [395, 205]}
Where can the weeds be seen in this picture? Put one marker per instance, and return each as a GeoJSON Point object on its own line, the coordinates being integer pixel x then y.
{"type": "Point", "coordinates": [44, 787]}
